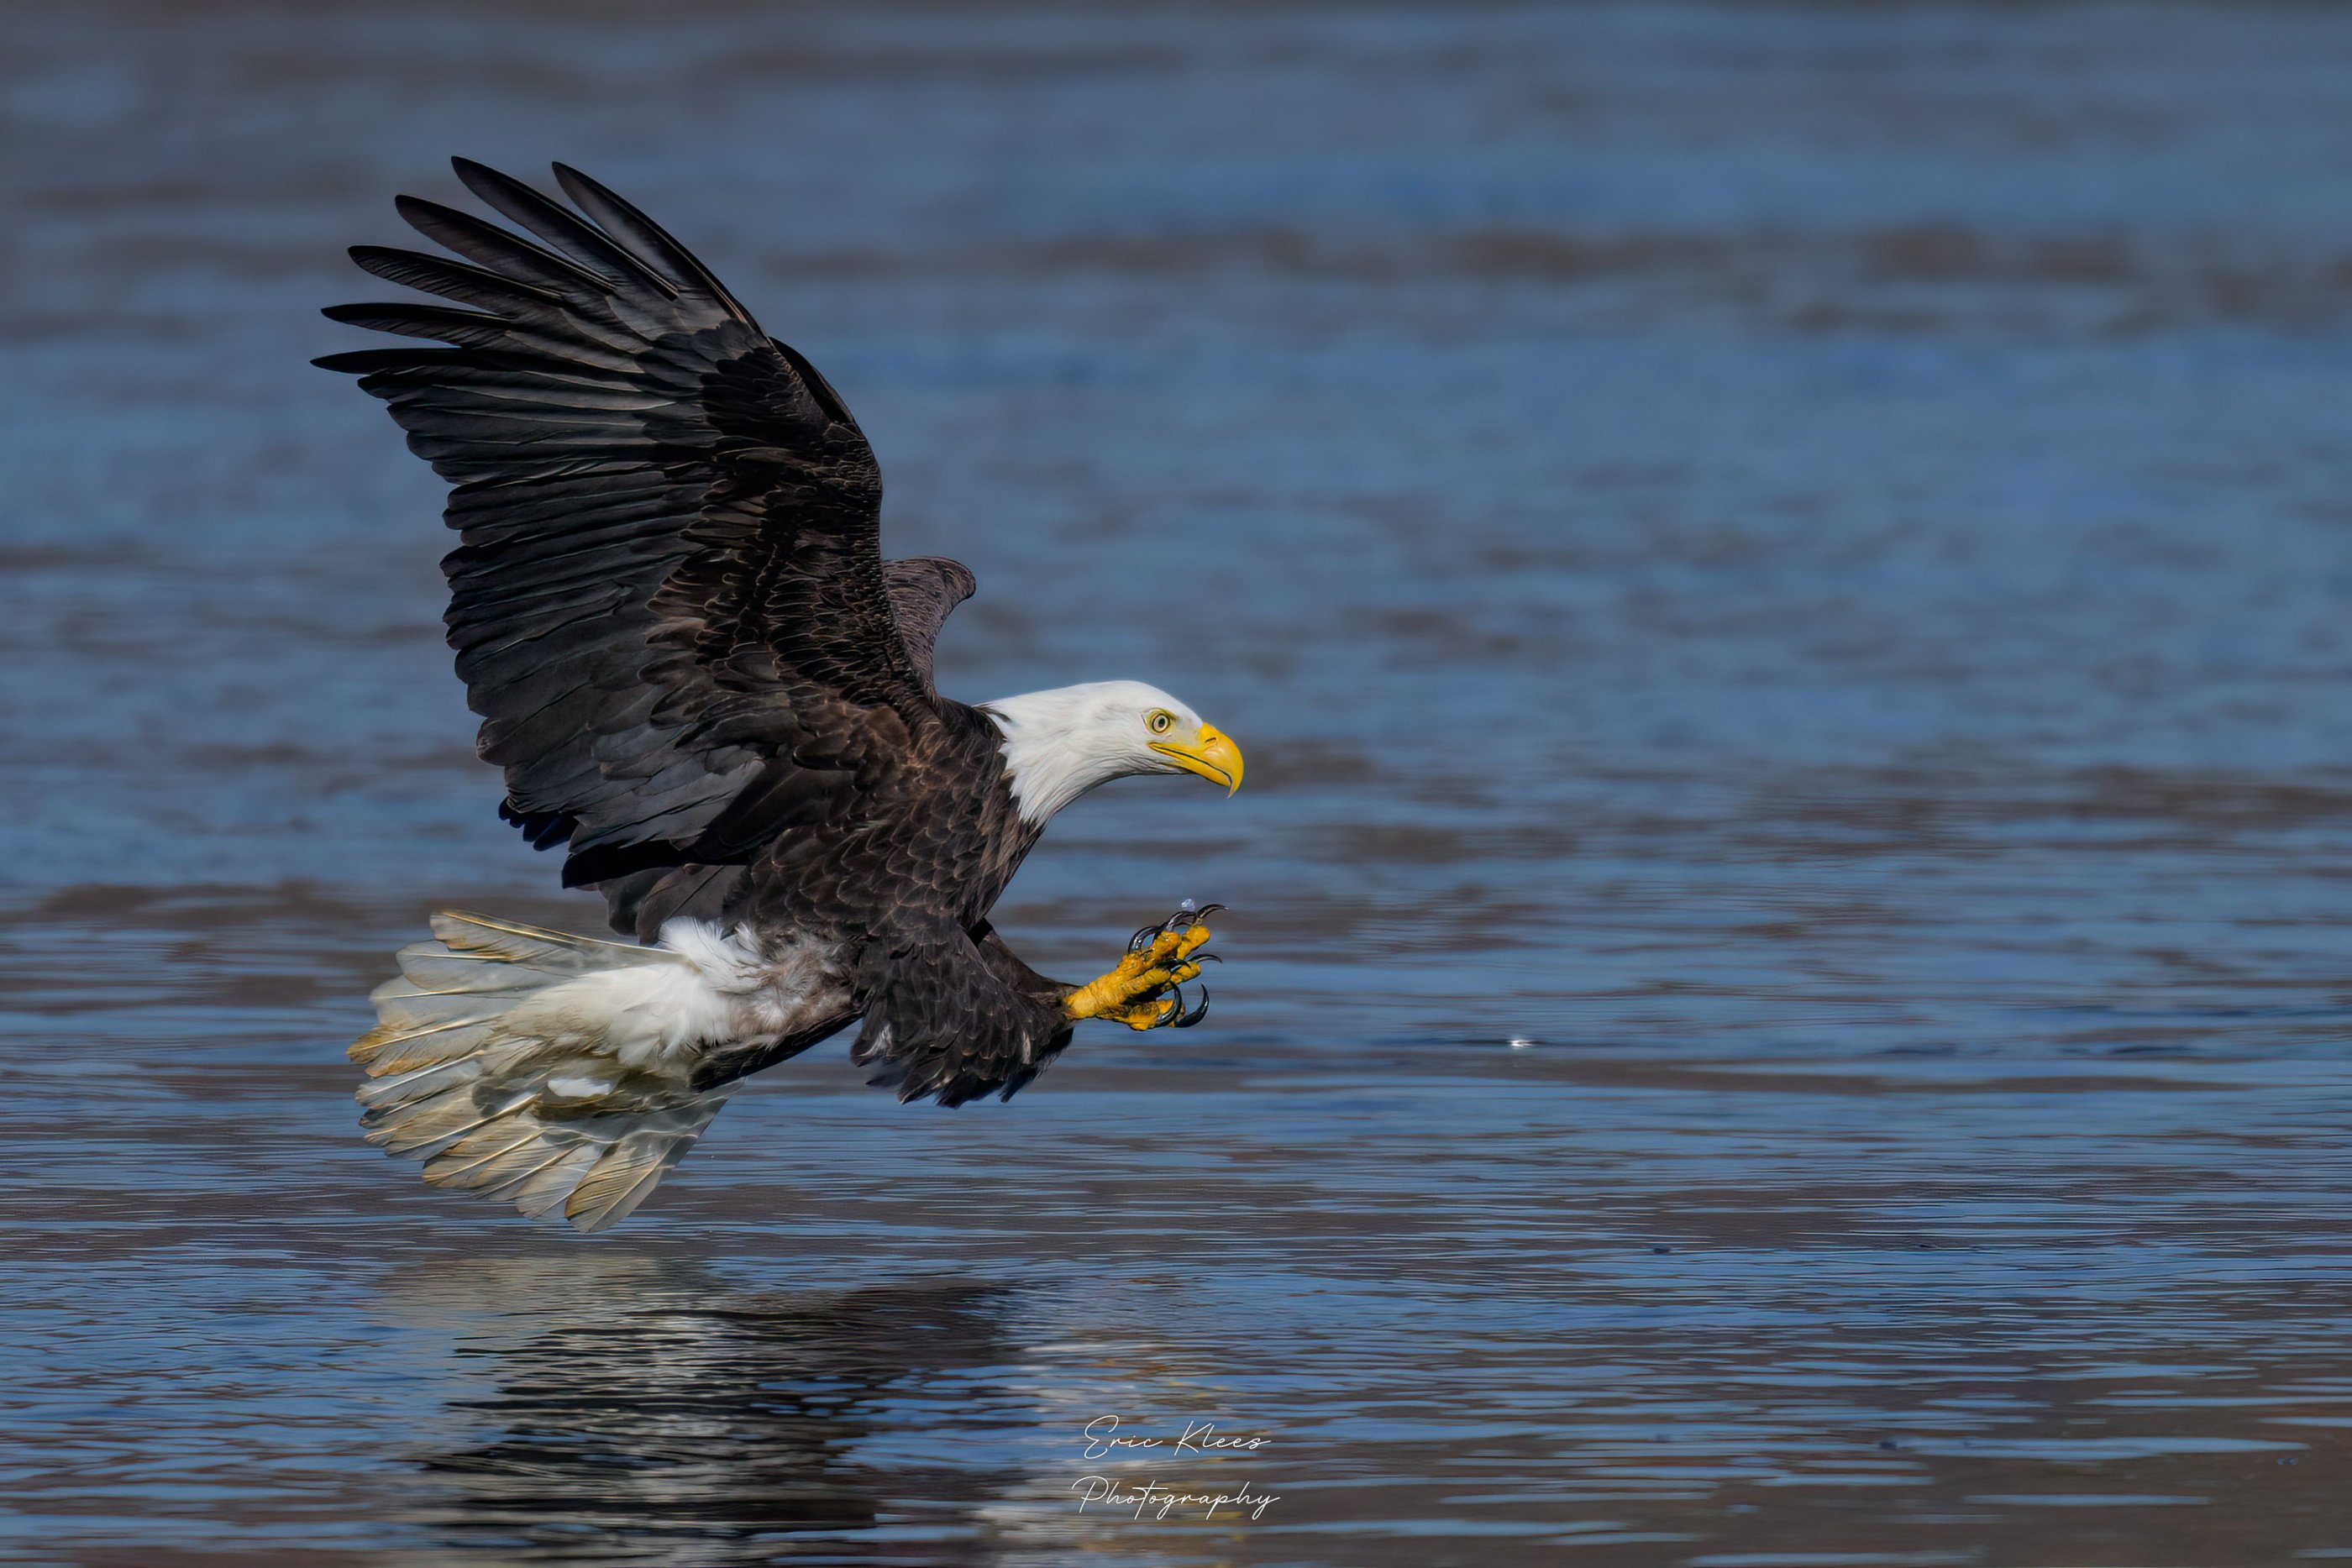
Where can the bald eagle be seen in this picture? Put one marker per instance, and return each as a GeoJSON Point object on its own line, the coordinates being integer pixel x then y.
{"type": "Point", "coordinates": [671, 607]}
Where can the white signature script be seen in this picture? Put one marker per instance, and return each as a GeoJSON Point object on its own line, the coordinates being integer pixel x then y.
{"type": "Point", "coordinates": [1102, 1489]}
{"type": "Point", "coordinates": [1199, 1438]}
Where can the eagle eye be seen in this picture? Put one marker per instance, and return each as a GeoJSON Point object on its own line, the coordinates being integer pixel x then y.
{"type": "Point", "coordinates": [1161, 721]}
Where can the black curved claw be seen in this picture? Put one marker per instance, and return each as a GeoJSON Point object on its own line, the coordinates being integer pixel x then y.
{"type": "Point", "coordinates": [1196, 1015]}
{"type": "Point", "coordinates": [1187, 917]}
{"type": "Point", "coordinates": [1173, 1013]}
{"type": "Point", "coordinates": [1183, 920]}
{"type": "Point", "coordinates": [1205, 958]}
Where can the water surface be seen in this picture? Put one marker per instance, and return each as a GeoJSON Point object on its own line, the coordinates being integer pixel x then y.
{"type": "Point", "coordinates": [1792, 558]}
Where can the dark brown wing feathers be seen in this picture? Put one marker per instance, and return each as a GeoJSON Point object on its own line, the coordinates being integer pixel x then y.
{"type": "Point", "coordinates": [669, 597]}
{"type": "Point", "coordinates": [957, 1016]}
{"type": "Point", "coordinates": [923, 590]}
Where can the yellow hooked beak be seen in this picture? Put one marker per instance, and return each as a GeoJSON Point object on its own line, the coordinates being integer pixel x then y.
{"type": "Point", "coordinates": [1213, 757]}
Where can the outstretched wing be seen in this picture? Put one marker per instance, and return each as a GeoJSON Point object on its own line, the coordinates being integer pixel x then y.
{"type": "Point", "coordinates": [669, 603]}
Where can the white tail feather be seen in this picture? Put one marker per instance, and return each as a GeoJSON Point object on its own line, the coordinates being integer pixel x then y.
{"type": "Point", "coordinates": [551, 1071]}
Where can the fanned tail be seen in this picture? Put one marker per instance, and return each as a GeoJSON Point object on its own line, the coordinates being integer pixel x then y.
{"type": "Point", "coordinates": [538, 1068]}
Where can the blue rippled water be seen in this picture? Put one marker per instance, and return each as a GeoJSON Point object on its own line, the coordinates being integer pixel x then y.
{"type": "Point", "coordinates": [1791, 560]}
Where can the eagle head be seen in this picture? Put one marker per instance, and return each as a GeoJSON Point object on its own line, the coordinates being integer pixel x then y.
{"type": "Point", "coordinates": [1062, 743]}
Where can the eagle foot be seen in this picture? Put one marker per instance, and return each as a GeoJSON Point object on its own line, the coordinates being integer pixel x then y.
{"type": "Point", "coordinates": [1146, 990]}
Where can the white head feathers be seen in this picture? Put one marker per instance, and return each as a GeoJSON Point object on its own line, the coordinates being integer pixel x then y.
{"type": "Point", "coordinates": [1062, 743]}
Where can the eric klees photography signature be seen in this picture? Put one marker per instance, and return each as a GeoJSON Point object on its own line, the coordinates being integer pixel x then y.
{"type": "Point", "coordinates": [1103, 1440]}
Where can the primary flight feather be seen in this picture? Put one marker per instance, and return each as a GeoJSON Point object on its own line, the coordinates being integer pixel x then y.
{"type": "Point", "coordinates": [671, 607]}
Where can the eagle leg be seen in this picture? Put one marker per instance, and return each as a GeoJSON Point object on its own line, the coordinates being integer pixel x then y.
{"type": "Point", "coordinates": [1144, 991]}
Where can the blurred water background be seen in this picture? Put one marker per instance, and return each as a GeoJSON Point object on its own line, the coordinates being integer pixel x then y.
{"type": "Point", "coordinates": [1793, 558]}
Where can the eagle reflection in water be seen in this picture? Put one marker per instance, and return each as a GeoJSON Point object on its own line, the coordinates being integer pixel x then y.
{"type": "Point", "coordinates": [717, 1427]}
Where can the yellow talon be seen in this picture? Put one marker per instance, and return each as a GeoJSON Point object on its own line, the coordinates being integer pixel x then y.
{"type": "Point", "coordinates": [1134, 993]}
